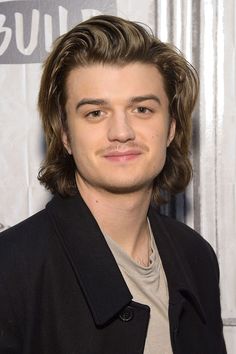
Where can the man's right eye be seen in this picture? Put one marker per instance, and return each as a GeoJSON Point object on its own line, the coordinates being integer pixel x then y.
{"type": "Point", "coordinates": [94, 114]}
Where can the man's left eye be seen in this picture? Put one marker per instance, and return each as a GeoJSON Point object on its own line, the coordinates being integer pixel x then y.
{"type": "Point", "coordinates": [143, 110]}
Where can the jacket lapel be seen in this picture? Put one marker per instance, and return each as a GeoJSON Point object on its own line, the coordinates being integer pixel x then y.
{"type": "Point", "coordinates": [180, 280]}
{"type": "Point", "coordinates": [92, 261]}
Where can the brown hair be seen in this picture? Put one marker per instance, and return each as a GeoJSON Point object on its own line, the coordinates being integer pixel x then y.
{"type": "Point", "coordinates": [112, 40]}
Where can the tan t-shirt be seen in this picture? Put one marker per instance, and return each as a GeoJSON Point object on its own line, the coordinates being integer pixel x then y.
{"type": "Point", "coordinates": [148, 285]}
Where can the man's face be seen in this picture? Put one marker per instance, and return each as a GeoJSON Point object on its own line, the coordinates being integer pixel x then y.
{"type": "Point", "coordinates": [118, 126]}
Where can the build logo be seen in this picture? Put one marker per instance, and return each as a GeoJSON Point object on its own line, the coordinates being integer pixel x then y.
{"type": "Point", "coordinates": [28, 28]}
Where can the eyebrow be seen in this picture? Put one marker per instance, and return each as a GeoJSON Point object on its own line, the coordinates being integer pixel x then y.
{"type": "Point", "coordinates": [138, 99]}
{"type": "Point", "coordinates": [99, 101]}
{"type": "Point", "coordinates": [92, 101]}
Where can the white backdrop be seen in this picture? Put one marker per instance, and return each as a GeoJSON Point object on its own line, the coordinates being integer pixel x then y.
{"type": "Point", "coordinates": [205, 31]}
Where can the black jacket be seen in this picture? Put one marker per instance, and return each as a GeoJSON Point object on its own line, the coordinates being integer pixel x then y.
{"type": "Point", "coordinates": [61, 291]}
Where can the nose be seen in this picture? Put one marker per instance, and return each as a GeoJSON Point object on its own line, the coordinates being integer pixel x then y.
{"type": "Point", "coordinates": [120, 128]}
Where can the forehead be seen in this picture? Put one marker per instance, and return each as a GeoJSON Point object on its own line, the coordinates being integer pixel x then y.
{"type": "Point", "coordinates": [113, 81]}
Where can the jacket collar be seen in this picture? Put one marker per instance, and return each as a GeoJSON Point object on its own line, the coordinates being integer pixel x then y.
{"type": "Point", "coordinates": [94, 265]}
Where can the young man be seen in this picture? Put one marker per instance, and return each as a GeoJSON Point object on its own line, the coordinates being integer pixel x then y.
{"type": "Point", "coordinates": [99, 271]}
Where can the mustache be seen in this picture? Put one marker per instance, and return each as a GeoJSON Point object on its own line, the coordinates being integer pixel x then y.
{"type": "Point", "coordinates": [118, 147]}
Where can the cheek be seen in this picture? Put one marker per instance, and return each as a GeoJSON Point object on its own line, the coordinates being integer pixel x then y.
{"type": "Point", "coordinates": [159, 140]}
{"type": "Point", "coordinates": [158, 144]}
{"type": "Point", "coordinates": [77, 145]}
{"type": "Point", "coordinates": [83, 147]}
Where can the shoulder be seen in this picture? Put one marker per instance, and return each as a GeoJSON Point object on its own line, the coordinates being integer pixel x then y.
{"type": "Point", "coordinates": [28, 239]}
{"type": "Point", "coordinates": [189, 244]}
{"type": "Point", "coordinates": [184, 234]}
{"type": "Point", "coordinates": [34, 224]}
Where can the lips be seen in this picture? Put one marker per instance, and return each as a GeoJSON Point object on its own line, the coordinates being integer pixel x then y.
{"type": "Point", "coordinates": [122, 155]}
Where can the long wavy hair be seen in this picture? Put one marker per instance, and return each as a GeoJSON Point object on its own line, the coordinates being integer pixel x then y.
{"type": "Point", "coordinates": [113, 40]}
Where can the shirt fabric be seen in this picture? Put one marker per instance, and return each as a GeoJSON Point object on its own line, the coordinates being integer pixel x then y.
{"type": "Point", "coordinates": [148, 285]}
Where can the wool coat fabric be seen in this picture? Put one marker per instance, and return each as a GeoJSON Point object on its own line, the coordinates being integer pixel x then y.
{"type": "Point", "coordinates": [61, 291]}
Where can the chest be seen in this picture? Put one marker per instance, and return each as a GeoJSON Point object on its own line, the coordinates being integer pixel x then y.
{"type": "Point", "coordinates": [63, 322]}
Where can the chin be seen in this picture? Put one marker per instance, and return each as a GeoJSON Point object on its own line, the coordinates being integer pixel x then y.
{"type": "Point", "coordinates": [127, 188]}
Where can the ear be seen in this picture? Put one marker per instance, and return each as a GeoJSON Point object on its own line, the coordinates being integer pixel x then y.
{"type": "Point", "coordinates": [66, 141]}
{"type": "Point", "coordinates": [171, 133]}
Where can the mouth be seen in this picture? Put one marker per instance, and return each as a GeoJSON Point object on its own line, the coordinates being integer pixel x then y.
{"type": "Point", "coordinates": [122, 156]}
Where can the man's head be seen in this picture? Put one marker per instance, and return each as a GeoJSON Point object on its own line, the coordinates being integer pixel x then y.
{"type": "Point", "coordinates": [116, 43]}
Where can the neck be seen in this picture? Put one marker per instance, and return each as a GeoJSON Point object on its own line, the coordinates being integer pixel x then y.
{"type": "Point", "coordinates": [122, 217]}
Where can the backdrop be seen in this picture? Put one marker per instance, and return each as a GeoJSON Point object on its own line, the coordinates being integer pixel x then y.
{"type": "Point", "coordinates": [205, 31]}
